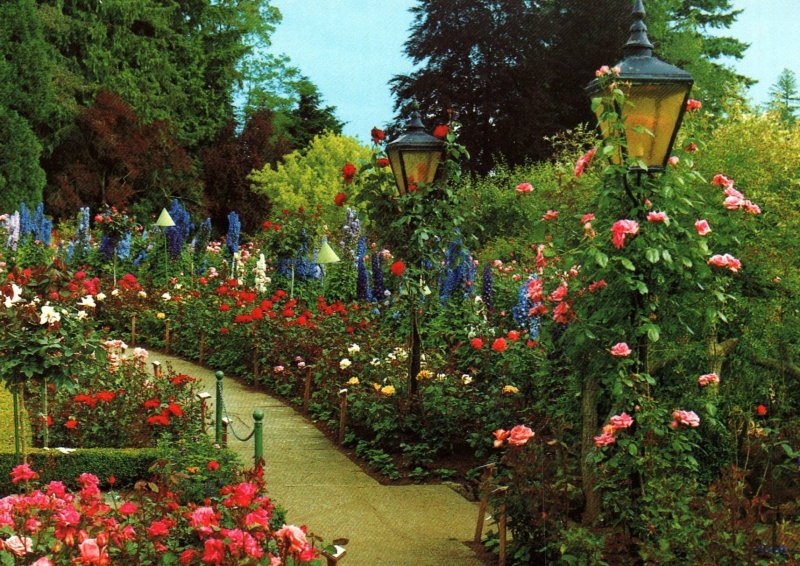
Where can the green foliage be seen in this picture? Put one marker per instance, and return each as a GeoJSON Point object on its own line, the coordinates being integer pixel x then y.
{"type": "Point", "coordinates": [784, 96]}
{"type": "Point", "coordinates": [311, 177]}
{"type": "Point", "coordinates": [21, 177]}
{"type": "Point", "coordinates": [127, 465]}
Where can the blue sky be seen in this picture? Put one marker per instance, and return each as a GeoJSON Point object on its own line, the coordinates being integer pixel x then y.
{"type": "Point", "coordinates": [351, 49]}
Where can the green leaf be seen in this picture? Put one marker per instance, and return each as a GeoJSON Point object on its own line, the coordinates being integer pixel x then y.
{"type": "Point", "coordinates": [627, 264]}
{"type": "Point", "coordinates": [652, 255]}
{"type": "Point", "coordinates": [666, 256]}
{"type": "Point", "coordinates": [653, 332]}
{"type": "Point", "coordinates": [633, 450]}
{"type": "Point", "coordinates": [601, 259]}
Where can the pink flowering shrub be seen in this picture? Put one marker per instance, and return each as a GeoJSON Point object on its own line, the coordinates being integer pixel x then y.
{"type": "Point", "coordinates": [50, 524]}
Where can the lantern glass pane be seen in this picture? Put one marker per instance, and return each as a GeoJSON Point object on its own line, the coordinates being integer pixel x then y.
{"type": "Point", "coordinates": [651, 116]}
{"type": "Point", "coordinates": [397, 170]}
{"type": "Point", "coordinates": [420, 166]}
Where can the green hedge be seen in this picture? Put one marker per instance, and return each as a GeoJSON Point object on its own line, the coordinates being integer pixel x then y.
{"type": "Point", "coordinates": [127, 465]}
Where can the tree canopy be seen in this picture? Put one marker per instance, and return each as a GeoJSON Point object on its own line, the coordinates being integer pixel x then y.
{"type": "Point", "coordinates": [514, 70]}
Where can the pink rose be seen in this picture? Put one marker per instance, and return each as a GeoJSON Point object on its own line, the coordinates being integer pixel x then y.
{"type": "Point", "coordinates": [621, 350]}
{"type": "Point", "coordinates": [19, 545]}
{"type": "Point", "coordinates": [726, 261]}
{"type": "Point", "coordinates": [587, 218]}
{"type": "Point", "coordinates": [657, 217]}
{"type": "Point", "coordinates": [692, 105]}
{"type": "Point", "coordinates": [702, 227]}
{"type": "Point", "coordinates": [524, 188]}
{"type": "Point", "coordinates": [604, 439]}
{"type": "Point", "coordinates": [623, 420]}
{"type": "Point", "coordinates": [583, 161]}
{"type": "Point", "coordinates": [674, 160]}
{"type": "Point", "coordinates": [750, 207]}
{"type": "Point", "coordinates": [708, 379]}
{"type": "Point", "coordinates": [550, 215]}
{"type": "Point", "coordinates": [722, 181]}
{"type": "Point", "coordinates": [295, 537]}
{"type": "Point", "coordinates": [90, 551]}
{"type": "Point", "coordinates": [688, 418]}
{"type": "Point", "coordinates": [620, 229]}
{"type": "Point", "coordinates": [520, 435]}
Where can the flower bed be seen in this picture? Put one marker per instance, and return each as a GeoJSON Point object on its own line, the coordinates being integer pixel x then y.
{"type": "Point", "coordinates": [49, 524]}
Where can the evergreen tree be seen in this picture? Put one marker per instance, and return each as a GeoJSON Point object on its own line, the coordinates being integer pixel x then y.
{"type": "Point", "coordinates": [310, 118]}
{"type": "Point", "coordinates": [784, 96]}
{"type": "Point", "coordinates": [514, 70]}
{"type": "Point", "coordinates": [21, 177]}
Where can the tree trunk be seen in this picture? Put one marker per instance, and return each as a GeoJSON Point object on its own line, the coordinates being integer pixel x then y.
{"type": "Point", "coordinates": [414, 363]}
{"type": "Point", "coordinates": [591, 511]}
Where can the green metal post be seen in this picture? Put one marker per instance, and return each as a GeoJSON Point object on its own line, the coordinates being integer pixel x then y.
{"type": "Point", "coordinates": [258, 434]}
{"type": "Point", "coordinates": [16, 422]}
{"type": "Point", "coordinates": [218, 423]}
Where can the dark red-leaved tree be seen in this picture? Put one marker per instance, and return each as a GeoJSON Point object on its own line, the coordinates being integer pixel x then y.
{"type": "Point", "coordinates": [228, 162]}
{"type": "Point", "coordinates": [112, 158]}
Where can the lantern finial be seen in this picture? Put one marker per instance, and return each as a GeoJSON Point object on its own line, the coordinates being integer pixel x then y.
{"type": "Point", "coordinates": [638, 43]}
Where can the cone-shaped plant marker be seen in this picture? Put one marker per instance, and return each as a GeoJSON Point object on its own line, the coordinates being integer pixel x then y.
{"type": "Point", "coordinates": [165, 221]}
{"type": "Point", "coordinates": [325, 256]}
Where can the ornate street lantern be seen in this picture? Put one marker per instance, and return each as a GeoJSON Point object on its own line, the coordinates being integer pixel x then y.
{"type": "Point", "coordinates": [414, 156]}
{"type": "Point", "coordinates": [655, 99]}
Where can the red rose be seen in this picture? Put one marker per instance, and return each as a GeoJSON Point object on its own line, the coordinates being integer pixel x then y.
{"type": "Point", "coordinates": [476, 343]}
{"type": "Point", "coordinates": [98, 218]}
{"type": "Point", "coordinates": [761, 410]}
{"type": "Point", "coordinates": [383, 162]}
{"type": "Point", "coordinates": [349, 171]}
{"type": "Point", "coordinates": [340, 199]}
{"type": "Point", "coordinates": [213, 465]}
{"type": "Point", "coordinates": [499, 345]}
{"type": "Point", "coordinates": [266, 224]}
{"type": "Point", "coordinates": [398, 268]}
{"type": "Point", "coordinates": [224, 330]}
{"type": "Point", "coordinates": [412, 187]}
{"type": "Point", "coordinates": [71, 423]}
{"type": "Point", "coordinates": [377, 135]}
{"type": "Point", "coordinates": [441, 131]}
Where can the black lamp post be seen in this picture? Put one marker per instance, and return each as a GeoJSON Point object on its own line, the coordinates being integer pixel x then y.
{"type": "Point", "coordinates": [655, 99]}
{"type": "Point", "coordinates": [414, 156]}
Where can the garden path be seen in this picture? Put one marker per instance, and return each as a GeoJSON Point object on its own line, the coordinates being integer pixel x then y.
{"type": "Point", "coordinates": [385, 525]}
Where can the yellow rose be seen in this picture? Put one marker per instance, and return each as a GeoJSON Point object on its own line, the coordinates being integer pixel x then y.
{"type": "Point", "coordinates": [388, 390]}
{"type": "Point", "coordinates": [510, 390]}
{"type": "Point", "coordinates": [377, 386]}
{"type": "Point", "coordinates": [424, 374]}
{"type": "Point", "coordinates": [161, 316]}
{"type": "Point", "coordinates": [192, 469]}
{"type": "Point", "coordinates": [353, 381]}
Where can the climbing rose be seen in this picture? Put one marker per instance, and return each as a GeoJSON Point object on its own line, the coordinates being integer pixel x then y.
{"type": "Point", "coordinates": [620, 229]}
{"type": "Point", "coordinates": [340, 199]}
{"type": "Point", "coordinates": [476, 343]}
{"type": "Point", "coordinates": [688, 418]}
{"type": "Point", "coordinates": [621, 350]}
{"type": "Point", "coordinates": [604, 439]}
{"type": "Point", "coordinates": [692, 105]}
{"type": "Point", "coordinates": [441, 131]}
{"type": "Point", "coordinates": [520, 435]}
{"type": "Point", "coordinates": [623, 420]}
{"type": "Point", "coordinates": [524, 188]}
{"type": "Point", "coordinates": [398, 268]}
{"type": "Point", "coordinates": [708, 379]}
{"type": "Point", "coordinates": [382, 162]}
{"type": "Point", "coordinates": [499, 345]}
{"type": "Point", "coordinates": [727, 261]}
{"type": "Point", "coordinates": [657, 216]}
{"type": "Point", "coordinates": [583, 161]}
{"type": "Point", "coordinates": [702, 227]}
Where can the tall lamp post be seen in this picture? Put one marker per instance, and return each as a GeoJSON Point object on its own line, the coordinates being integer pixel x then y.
{"type": "Point", "coordinates": [655, 100]}
{"type": "Point", "coordinates": [654, 104]}
{"type": "Point", "coordinates": [414, 158]}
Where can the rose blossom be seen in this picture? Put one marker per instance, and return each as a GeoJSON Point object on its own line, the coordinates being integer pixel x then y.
{"type": "Point", "coordinates": [520, 435]}
{"type": "Point", "coordinates": [500, 436]}
{"type": "Point", "coordinates": [604, 439]}
{"type": "Point", "coordinates": [702, 227]}
{"type": "Point", "coordinates": [621, 350]}
{"type": "Point", "coordinates": [688, 418]}
{"type": "Point", "coordinates": [706, 379]}
{"type": "Point", "coordinates": [583, 161]}
{"type": "Point", "coordinates": [620, 229]}
{"type": "Point", "coordinates": [692, 105]}
{"type": "Point", "coordinates": [727, 261]}
{"type": "Point", "coordinates": [623, 420]}
{"type": "Point", "coordinates": [295, 536]}
{"type": "Point", "coordinates": [674, 160]}
{"type": "Point", "coordinates": [550, 215]}
{"type": "Point", "coordinates": [657, 217]}
{"type": "Point", "coordinates": [524, 188]}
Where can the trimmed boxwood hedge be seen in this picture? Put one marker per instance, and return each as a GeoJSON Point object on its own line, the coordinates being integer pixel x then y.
{"type": "Point", "coordinates": [127, 465]}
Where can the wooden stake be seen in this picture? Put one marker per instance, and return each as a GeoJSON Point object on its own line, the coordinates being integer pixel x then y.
{"type": "Point", "coordinates": [342, 414]}
{"type": "Point", "coordinates": [502, 533]}
{"type": "Point", "coordinates": [202, 346]}
{"type": "Point", "coordinates": [307, 391]}
{"type": "Point", "coordinates": [166, 336]}
{"type": "Point", "coordinates": [484, 488]}
{"type": "Point", "coordinates": [133, 330]}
